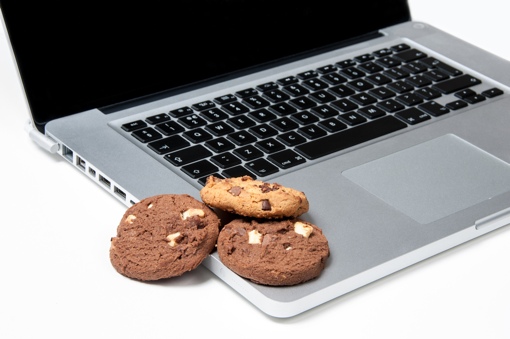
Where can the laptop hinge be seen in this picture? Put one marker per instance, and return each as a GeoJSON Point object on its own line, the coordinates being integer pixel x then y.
{"type": "Point", "coordinates": [41, 139]}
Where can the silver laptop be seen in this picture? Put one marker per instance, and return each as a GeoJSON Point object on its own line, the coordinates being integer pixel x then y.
{"type": "Point", "coordinates": [397, 132]}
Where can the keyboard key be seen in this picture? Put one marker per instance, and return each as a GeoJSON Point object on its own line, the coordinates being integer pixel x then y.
{"type": "Point", "coordinates": [332, 125]}
{"type": "Point", "coordinates": [226, 160]}
{"type": "Point", "coordinates": [283, 109]}
{"type": "Point", "coordinates": [197, 135]}
{"type": "Point", "coordinates": [286, 159]}
{"type": "Point", "coordinates": [156, 119]}
{"type": "Point", "coordinates": [291, 138]}
{"type": "Point", "coordinates": [284, 124]}
{"type": "Point", "coordinates": [434, 63]}
{"type": "Point", "coordinates": [255, 102]}
{"type": "Point", "coordinates": [352, 118]}
{"type": "Point", "coordinates": [169, 128]}
{"type": "Point", "coordinates": [344, 105]}
{"type": "Point", "coordinates": [235, 108]}
{"type": "Point", "coordinates": [433, 108]}
{"type": "Point", "coordinates": [241, 138]}
{"type": "Point", "coordinates": [199, 169]}
{"type": "Point", "coordinates": [219, 145]}
{"type": "Point", "coordinates": [219, 128]}
{"type": "Point", "coordinates": [409, 55]}
{"type": "Point", "coordinates": [457, 104]}
{"type": "Point", "coordinates": [180, 112]}
{"type": "Point", "coordinates": [262, 115]}
{"type": "Point", "coordinates": [169, 144]}
{"type": "Point", "coordinates": [312, 131]}
{"type": "Point", "coordinates": [475, 99]}
{"type": "Point", "coordinates": [270, 145]}
{"type": "Point", "coordinates": [237, 171]}
{"type": "Point", "coordinates": [147, 135]}
{"type": "Point", "coordinates": [350, 137]}
{"type": "Point", "coordinates": [493, 92]}
{"type": "Point", "coordinates": [263, 131]}
{"type": "Point", "coordinates": [132, 126]}
{"type": "Point", "coordinates": [248, 153]}
{"type": "Point", "coordinates": [456, 84]}
{"type": "Point", "coordinates": [241, 122]}
{"type": "Point", "coordinates": [188, 155]}
{"type": "Point", "coordinates": [412, 116]}
{"type": "Point", "coordinates": [213, 114]}
{"type": "Point", "coordinates": [371, 112]}
{"type": "Point", "coordinates": [261, 167]}
{"type": "Point", "coordinates": [192, 121]}
{"type": "Point", "coordinates": [208, 104]}
{"type": "Point", "coordinates": [304, 118]}
{"type": "Point", "coordinates": [225, 99]}
{"type": "Point", "coordinates": [390, 106]}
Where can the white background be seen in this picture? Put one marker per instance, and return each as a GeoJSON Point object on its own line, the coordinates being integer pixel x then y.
{"type": "Point", "coordinates": [57, 281]}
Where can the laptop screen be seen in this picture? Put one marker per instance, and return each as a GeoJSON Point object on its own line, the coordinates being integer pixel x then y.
{"type": "Point", "coordinates": [77, 56]}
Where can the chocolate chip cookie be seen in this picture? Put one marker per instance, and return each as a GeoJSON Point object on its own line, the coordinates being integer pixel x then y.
{"type": "Point", "coordinates": [273, 252]}
{"type": "Point", "coordinates": [254, 198]}
{"type": "Point", "coordinates": [164, 236]}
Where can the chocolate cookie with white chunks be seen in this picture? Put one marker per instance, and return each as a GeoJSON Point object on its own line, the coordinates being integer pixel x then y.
{"type": "Point", "coordinates": [248, 197]}
{"type": "Point", "coordinates": [273, 252]}
{"type": "Point", "coordinates": [164, 236]}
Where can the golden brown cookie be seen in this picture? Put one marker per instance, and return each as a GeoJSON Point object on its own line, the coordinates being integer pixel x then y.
{"type": "Point", "coordinates": [273, 252]}
{"type": "Point", "coordinates": [253, 198]}
{"type": "Point", "coordinates": [164, 236]}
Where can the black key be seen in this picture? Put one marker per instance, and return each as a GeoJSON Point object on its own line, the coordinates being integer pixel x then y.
{"type": "Point", "coordinates": [400, 87]}
{"type": "Point", "coordinates": [255, 102]}
{"type": "Point", "coordinates": [334, 79]}
{"type": "Point", "coordinates": [465, 93]}
{"type": "Point", "coordinates": [324, 111]}
{"type": "Point", "coordinates": [169, 144]}
{"type": "Point", "coordinates": [400, 47]}
{"type": "Point", "coordinates": [214, 114]}
{"type": "Point", "coordinates": [352, 118]}
{"type": "Point", "coordinates": [248, 153]}
{"type": "Point", "coordinates": [225, 99]}
{"type": "Point", "coordinates": [457, 104]}
{"type": "Point", "coordinates": [383, 52]}
{"type": "Point", "coordinates": [169, 128]}
{"type": "Point", "coordinates": [433, 108]}
{"type": "Point", "coordinates": [261, 167]}
{"type": "Point", "coordinates": [427, 93]}
{"type": "Point", "coordinates": [291, 138]}
{"type": "Point", "coordinates": [263, 131]}
{"type": "Point", "coordinates": [286, 159]}
{"type": "Point", "coordinates": [132, 126]}
{"type": "Point", "coordinates": [415, 67]}
{"type": "Point", "coordinates": [409, 99]}
{"type": "Point", "coordinates": [344, 105]}
{"type": "Point", "coordinates": [396, 73]}
{"type": "Point", "coordinates": [436, 75]}
{"type": "Point", "coordinates": [276, 95]}
{"type": "Point", "coordinates": [382, 93]}
{"type": "Point", "coordinates": [156, 119]}
{"type": "Point", "coordinates": [287, 81]}
{"type": "Point", "coordinates": [360, 85]}
{"type": "Point", "coordinates": [493, 92]}
{"type": "Point", "coordinates": [370, 67]}
{"type": "Point", "coordinates": [346, 63]}
{"type": "Point", "coordinates": [303, 103]}
{"type": "Point", "coordinates": [390, 106]}
{"type": "Point", "coordinates": [304, 118]}
{"type": "Point", "coordinates": [296, 90]}
{"type": "Point", "coordinates": [456, 84]}
{"type": "Point", "coordinates": [219, 128]}
{"type": "Point", "coordinates": [241, 122]}
{"type": "Point", "coordinates": [364, 57]}
{"type": "Point", "coordinates": [245, 93]}
{"type": "Point", "coordinates": [235, 108]}
{"type": "Point", "coordinates": [341, 91]}
{"type": "Point", "coordinates": [270, 145]}
{"type": "Point", "coordinates": [418, 81]}
{"type": "Point", "coordinates": [315, 84]}
{"type": "Point", "coordinates": [219, 145]}
{"type": "Point", "coordinates": [350, 137]}
{"type": "Point", "coordinates": [192, 121]}
{"type": "Point", "coordinates": [180, 112]}
{"type": "Point", "coordinates": [262, 115]}
{"type": "Point", "coordinates": [283, 109]}
{"type": "Point", "coordinates": [199, 169]}
{"type": "Point", "coordinates": [332, 125]}
{"type": "Point", "coordinates": [197, 135]}
{"type": "Point", "coordinates": [237, 171]}
{"type": "Point", "coordinates": [312, 131]}
{"type": "Point", "coordinates": [307, 75]}
{"type": "Point", "coordinates": [208, 104]}
{"type": "Point", "coordinates": [388, 62]}
{"type": "Point", "coordinates": [268, 86]}
{"type": "Point", "coordinates": [226, 160]}
{"type": "Point", "coordinates": [147, 135]}
{"type": "Point", "coordinates": [363, 99]}
{"type": "Point", "coordinates": [188, 155]}
{"type": "Point", "coordinates": [378, 79]}
{"type": "Point", "coordinates": [242, 138]}
{"type": "Point", "coordinates": [410, 55]}
{"type": "Point", "coordinates": [412, 116]}
{"type": "Point", "coordinates": [434, 63]}
{"type": "Point", "coordinates": [371, 112]}
{"type": "Point", "coordinates": [475, 99]}
{"type": "Point", "coordinates": [352, 73]}
{"type": "Point", "coordinates": [284, 124]}
{"type": "Point", "coordinates": [322, 97]}
{"type": "Point", "coordinates": [326, 69]}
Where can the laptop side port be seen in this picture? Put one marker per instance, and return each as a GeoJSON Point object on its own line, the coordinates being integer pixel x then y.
{"type": "Point", "coordinates": [120, 193]}
{"type": "Point", "coordinates": [80, 163]}
{"type": "Point", "coordinates": [92, 172]}
{"type": "Point", "coordinates": [105, 181]}
{"type": "Point", "coordinates": [67, 153]}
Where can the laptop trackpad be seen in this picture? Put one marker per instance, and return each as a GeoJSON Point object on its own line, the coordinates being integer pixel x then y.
{"type": "Point", "coordinates": [434, 179]}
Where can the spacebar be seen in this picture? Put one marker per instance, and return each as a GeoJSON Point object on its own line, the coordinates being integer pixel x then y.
{"type": "Point", "coordinates": [350, 137]}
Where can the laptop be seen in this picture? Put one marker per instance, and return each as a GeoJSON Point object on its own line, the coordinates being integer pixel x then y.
{"type": "Point", "coordinates": [396, 131]}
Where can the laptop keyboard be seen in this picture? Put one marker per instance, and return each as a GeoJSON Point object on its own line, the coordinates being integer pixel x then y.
{"type": "Point", "coordinates": [278, 125]}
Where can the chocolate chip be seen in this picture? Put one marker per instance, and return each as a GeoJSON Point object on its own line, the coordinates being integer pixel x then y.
{"type": "Point", "coordinates": [266, 206]}
{"type": "Point", "coordinates": [235, 191]}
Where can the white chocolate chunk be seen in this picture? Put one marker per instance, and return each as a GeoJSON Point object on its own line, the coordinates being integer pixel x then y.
{"type": "Point", "coordinates": [254, 237]}
{"type": "Point", "coordinates": [303, 229]}
{"type": "Point", "coordinates": [191, 213]}
{"type": "Point", "coordinates": [171, 238]}
{"type": "Point", "coordinates": [130, 219]}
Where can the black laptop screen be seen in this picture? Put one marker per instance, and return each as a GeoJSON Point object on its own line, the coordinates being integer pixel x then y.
{"type": "Point", "coordinates": [75, 56]}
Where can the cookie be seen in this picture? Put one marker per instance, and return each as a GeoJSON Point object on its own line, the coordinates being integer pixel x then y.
{"type": "Point", "coordinates": [273, 252]}
{"type": "Point", "coordinates": [163, 236]}
{"type": "Point", "coordinates": [253, 198]}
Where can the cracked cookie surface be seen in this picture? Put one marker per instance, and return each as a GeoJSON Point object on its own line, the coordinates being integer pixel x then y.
{"type": "Point", "coordinates": [273, 252]}
{"type": "Point", "coordinates": [254, 198]}
{"type": "Point", "coordinates": [163, 236]}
